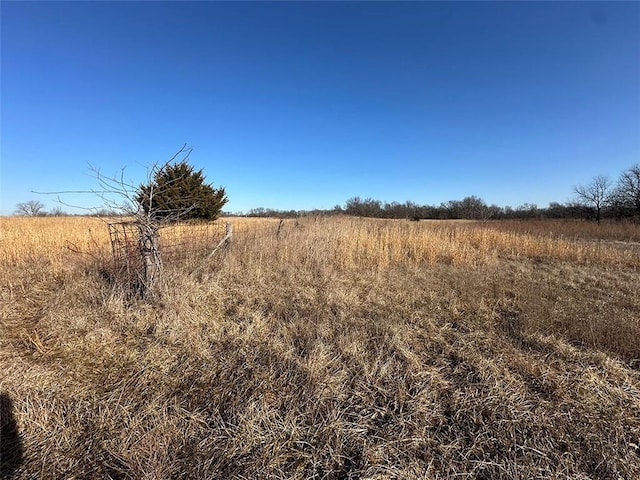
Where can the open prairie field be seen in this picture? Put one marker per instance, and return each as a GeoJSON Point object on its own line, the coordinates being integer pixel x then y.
{"type": "Point", "coordinates": [338, 348]}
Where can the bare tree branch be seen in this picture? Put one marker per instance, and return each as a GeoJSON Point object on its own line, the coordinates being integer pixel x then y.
{"type": "Point", "coordinates": [30, 208]}
{"type": "Point", "coordinates": [627, 192]}
{"type": "Point", "coordinates": [595, 194]}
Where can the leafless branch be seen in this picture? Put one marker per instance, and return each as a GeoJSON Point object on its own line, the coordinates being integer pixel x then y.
{"type": "Point", "coordinates": [596, 194]}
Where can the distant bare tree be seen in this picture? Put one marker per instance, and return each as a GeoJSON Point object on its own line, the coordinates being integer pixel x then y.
{"type": "Point", "coordinates": [595, 194]}
{"type": "Point", "coordinates": [30, 208]}
{"type": "Point", "coordinates": [626, 195]}
{"type": "Point", "coordinates": [57, 212]}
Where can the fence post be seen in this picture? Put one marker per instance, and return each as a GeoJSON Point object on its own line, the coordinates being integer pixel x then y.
{"type": "Point", "coordinates": [228, 234]}
{"type": "Point", "coordinates": [151, 261]}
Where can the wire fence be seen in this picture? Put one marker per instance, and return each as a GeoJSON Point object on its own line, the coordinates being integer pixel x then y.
{"type": "Point", "coordinates": [188, 244]}
{"type": "Point", "coordinates": [188, 241]}
{"type": "Point", "coordinates": [125, 248]}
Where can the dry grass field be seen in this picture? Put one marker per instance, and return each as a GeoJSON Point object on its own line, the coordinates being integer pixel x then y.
{"type": "Point", "coordinates": [343, 348]}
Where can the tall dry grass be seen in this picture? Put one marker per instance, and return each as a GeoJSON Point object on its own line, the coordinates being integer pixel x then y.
{"type": "Point", "coordinates": [609, 230]}
{"type": "Point", "coordinates": [347, 242]}
{"type": "Point", "coordinates": [342, 348]}
{"type": "Point", "coordinates": [50, 239]}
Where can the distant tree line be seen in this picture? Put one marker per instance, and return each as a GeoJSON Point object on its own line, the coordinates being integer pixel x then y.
{"type": "Point", "coordinates": [602, 198]}
{"type": "Point", "coordinates": [472, 208]}
{"type": "Point", "coordinates": [35, 208]}
{"type": "Point", "coordinates": [599, 199]}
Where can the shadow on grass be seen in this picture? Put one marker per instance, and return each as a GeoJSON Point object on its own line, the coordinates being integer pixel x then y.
{"type": "Point", "coordinates": [11, 448]}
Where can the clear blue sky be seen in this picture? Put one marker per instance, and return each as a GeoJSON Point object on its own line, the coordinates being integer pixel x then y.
{"type": "Point", "coordinates": [304, 105]}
